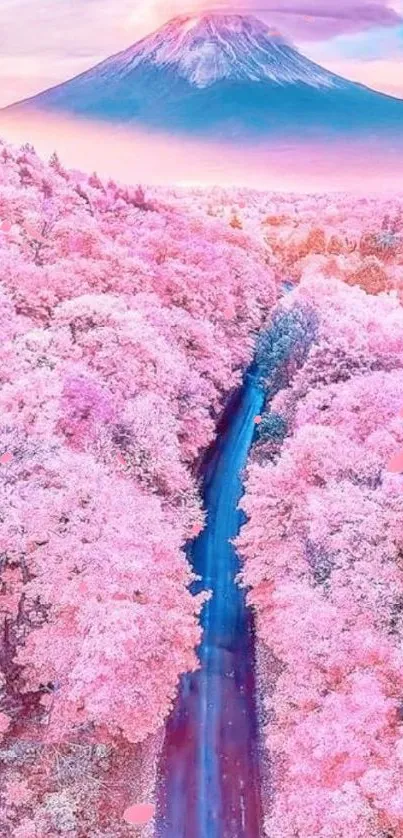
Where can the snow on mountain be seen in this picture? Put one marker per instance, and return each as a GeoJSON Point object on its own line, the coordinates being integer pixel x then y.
{"type": "Point", "coordinates": [213, 47]}
{"type": "Point", "coordinates": [222, 76]}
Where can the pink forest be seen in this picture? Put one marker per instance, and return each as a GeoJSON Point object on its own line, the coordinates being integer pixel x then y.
{"type": "Point", "coordinates": [201, 422]}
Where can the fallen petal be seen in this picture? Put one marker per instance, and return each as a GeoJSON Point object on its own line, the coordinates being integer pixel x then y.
{"type": "Point", "coordinates": [395, 465]}
{"type": "Point", "coordinates": [139, 813]}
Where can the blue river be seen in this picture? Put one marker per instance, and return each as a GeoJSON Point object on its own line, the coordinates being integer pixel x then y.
{"type": "Point", "coordinates": [209, 783]}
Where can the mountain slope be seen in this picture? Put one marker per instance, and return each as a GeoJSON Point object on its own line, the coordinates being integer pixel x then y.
{"type": "Point", "coordinates": [221, 75]}
{"type": "Point", "coordinates": [207, 49]}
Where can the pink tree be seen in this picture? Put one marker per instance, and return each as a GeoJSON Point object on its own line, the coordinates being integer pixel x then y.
{"type": "Point", "coordinates": [322, 550]}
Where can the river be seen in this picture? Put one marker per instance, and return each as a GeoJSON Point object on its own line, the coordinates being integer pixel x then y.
{"type": "Point", "coordinates": [209, 782]}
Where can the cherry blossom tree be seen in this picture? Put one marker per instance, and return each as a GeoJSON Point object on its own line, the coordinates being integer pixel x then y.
{"type": "Point", "coordinates": [125, 322]}
{"type": "Point", "coordinates": [322, 551]}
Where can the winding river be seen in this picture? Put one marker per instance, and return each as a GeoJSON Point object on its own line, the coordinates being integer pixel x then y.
{"type": "Point", "coordinates": [209, 783]}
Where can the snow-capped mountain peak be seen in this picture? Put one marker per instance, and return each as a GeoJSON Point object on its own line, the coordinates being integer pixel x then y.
{"type": "Point", "coordinates": [222, 76]}
{"type": "Point", "coordinates": [211, 47]}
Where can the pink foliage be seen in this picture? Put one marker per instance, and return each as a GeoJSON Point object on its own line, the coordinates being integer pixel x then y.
{"type": "Point", "coordinates": [125, 322]}
{"type": "Point", "coordinates": [127, 315]}
{"type": "Point", "coordinates": [358, 240]}
{"type": "Point", "coordinates": [4, 723]}
{"type": "Point", "coordinates": [17, 792]}
{"type": "Point", "coordinates": [322, 549]}
{"type": "Point", "coordinates": [107, 618]}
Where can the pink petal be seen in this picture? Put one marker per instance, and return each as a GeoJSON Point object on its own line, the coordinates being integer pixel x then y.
{"type": "Point", "coordinates": [6, 458]}
{"type": "Point", "coordinates": [33, 231]}
{"type": "Point", "coordinates": [196, 529]}
{"type": "Point", "coordinates": [395, 465]}
{"type": "Point", "coordinates": [139, 813]}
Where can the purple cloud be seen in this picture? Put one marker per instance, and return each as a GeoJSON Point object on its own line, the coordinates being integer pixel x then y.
{"type": "Point", "coordinates": [321, 19]}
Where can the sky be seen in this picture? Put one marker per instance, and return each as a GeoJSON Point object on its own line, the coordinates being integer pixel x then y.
{"type": "Point", "coordinates": [44, 42]}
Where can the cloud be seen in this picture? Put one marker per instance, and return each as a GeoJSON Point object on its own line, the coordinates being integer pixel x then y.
{"type": "Point", "coordinates": [385, 76]}
{"type": "Point", "coordinates": [306, 19]}
{"type": "Point", "coordinates": [160, 159]}
{"type": "Point", "coordinates": [321, 19]}
{"type": "Point", "coordinates": [100, 26]}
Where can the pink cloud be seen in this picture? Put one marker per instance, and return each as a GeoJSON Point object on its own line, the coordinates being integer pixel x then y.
{"type": "Point", "coordinates": [319, 19]}
{"type": "Point", "coordinates": [386, 76]}
{"type": "Point", "coordinates": [163, 160]}
{"type": "Point", "coordinates": [301, 19]}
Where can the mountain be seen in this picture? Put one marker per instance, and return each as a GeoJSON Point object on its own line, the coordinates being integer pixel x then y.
{"type": "Point", "coordinates": [222, 75]}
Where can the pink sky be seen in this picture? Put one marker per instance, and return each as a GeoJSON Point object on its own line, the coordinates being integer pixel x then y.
{"type": "Point", "coordinates": [44, 42]}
